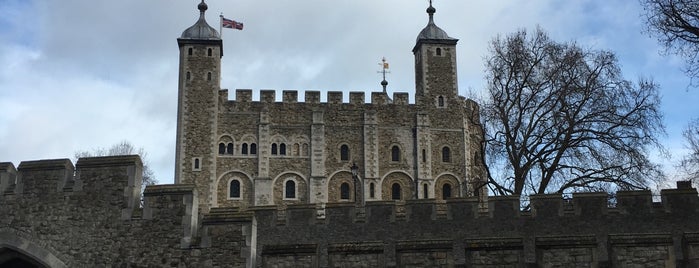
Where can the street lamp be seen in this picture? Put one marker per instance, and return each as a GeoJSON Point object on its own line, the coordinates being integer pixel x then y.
{"type": "Point", "coordinates": [358, 186]}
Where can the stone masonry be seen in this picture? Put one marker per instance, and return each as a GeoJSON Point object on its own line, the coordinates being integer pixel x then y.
{"type": "Point", "coordinates": [58, 215]}
{"type": "Point", "coordinates": [244, 152]}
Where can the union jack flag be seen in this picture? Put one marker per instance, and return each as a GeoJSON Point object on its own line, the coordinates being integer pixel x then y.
{"type": "Point", "coordinates": [228, 23]}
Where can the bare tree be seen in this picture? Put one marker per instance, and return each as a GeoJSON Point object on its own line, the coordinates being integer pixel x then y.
{"type": "Point", "coordinates": [124, 148]}
{"type": "Point", "coordinates": [559, 118]}
{"type": "Point", "coordinates": [676, 25]}
{"type": "Point", "coordinates": [689, 164]}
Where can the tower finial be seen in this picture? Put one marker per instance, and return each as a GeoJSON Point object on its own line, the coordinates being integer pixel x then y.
{"type": "Point", "coordinates": [431, 10]}
{"type": "Point", "coordinates": [202, 8]}
{"type": "Point", "coordinates": [384, 71]}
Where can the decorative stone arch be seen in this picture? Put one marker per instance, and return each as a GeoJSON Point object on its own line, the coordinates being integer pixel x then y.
{"type": "Point", "coordinates": [335, 182]}
{"type": "Point", "coordinates": [280, 141]}
{"type": "Point", "coordinates": [246, 145]}
{"type": "Point", "coordinates": [227, 141]}
{"type": "Point", "coordinates": [222, 189]}
{"type": "Point", "coordinates": [447, 179]}
{"type": "Point", "coordinates": [13, 247]}
{"type": "Point", "coordinates": [279, 184]}
{"type": "Point", "coordinates": [297, 145]}
{"type": "Point", "coordinates": [403, 179]}
{"type": "Point", "coordinates": [401, 152]}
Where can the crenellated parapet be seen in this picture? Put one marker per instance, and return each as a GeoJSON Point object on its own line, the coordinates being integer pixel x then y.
{"type": "Point", "coordinates": [583, 206]}
{"type": "Point", "coordinates": [98, 200]}
{"type": "Point", "coordinates": [582, 231]}
{"type": "Point", "coordinates": [312, 97]}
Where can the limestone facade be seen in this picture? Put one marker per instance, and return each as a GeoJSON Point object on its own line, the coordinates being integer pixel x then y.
{"type": "Point", "coordinates": [245, 152]}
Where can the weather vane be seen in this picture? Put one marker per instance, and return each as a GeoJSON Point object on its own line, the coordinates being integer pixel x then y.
{"type": "Point", "coordinates": [384, 71]}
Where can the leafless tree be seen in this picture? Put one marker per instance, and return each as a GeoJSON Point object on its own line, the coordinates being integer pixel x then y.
{"type": "Point", "coordinates": [676, 25]}
{"type": "Point", "coordinates": [124, 148]}
{"type": "Point", "coordinates": [559, 118]}
{"type": "Point", "coordinates": [689, 164]}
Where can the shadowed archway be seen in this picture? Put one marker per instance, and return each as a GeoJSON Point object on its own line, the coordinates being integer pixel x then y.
{"type": "Point", "coordinates": [13, 259]}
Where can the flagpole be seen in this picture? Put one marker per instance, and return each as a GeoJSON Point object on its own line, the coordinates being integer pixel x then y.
{"type": "Point", "coordinates": [220, 24]}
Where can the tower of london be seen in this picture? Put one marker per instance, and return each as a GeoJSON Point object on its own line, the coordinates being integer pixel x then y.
{"type": "Point", "coordinates": [246, 152]}
{"type": "Point", "coordinates": [267, 183]}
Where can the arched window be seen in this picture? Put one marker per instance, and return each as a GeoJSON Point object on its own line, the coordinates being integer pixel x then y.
{"type": "Point", "coordinates": [344, 191]}
{"type": "Point", "coordinates": [253, 148]}
{"type": "Point", "coordinates": [395, 153]}
{"type": "Point", "coordinates": [282, 149]}
{"type": "Point", "coordinates": [446, 191]}
{"type": "Point", "coordinates": [189, 51]}
{"type": "Point", "coordinates": [244, 149]}
{"type": "Point", "coordinates": [344, 152]}
{"type": "Point", "coordinates": [221, 148]}
{"type": "Point", "coordinates": [372, 190]}
{"type": "Point", "coordinates": [274, 148]}
{"type": "Point", "coordinates": [296, 151]}
{"type": "Point", "coordinates": [424, 191]}
{"type": "Point", "coordinates": [234, 189]}
{"type": "Point", "coordinates": [208, 76]}
{"type": "Point", "coordinates": [197, 166]}
{"type": "Point", "coordinates": [446, 154]}
{"type": "Point", "coordinates": [208, 53]}
{"type": "Point", "coordinates": [229, 148]}
{"type": "Point", "coordinates": [305, 149]}
{"type": "Point", "coordinates": [439, 52]}
{"type": "Point", "coordinates": [440, 101]}
{"type": "Point", "coordinates": [290, 189]}
{"type": "Point", "coordinates": [424, 156]}
{"type": "Point", "coordinates": [395, 191]}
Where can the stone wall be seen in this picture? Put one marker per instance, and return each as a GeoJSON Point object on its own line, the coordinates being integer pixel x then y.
{"type": "Point", "coordinates": [58, 215]}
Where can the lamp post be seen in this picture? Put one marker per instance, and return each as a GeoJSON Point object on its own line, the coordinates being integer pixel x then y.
{"type": "Point", "coordinates": [358, 186]}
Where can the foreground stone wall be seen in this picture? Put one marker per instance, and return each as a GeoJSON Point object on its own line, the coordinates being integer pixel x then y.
{"type": "Point", "coordinates": [58, 215]}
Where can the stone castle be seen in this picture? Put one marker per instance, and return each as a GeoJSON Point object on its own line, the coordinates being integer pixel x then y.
{"type": "Point", "coordinates": [245, 152]}
{"type": "Point", "coordinates": [290, 184]}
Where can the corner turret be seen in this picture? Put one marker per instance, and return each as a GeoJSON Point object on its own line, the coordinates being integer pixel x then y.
{"type": "Point", "coordinates": [201, 49]}
{"type": "Point", "coordinates": [435, 65]}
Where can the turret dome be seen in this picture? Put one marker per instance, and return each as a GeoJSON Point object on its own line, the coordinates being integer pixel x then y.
{"type": "Point", "coordinates": [201, 29]}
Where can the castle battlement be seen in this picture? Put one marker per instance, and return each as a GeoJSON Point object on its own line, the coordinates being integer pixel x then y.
{"type": "Point", "coordinates": [268, 96]}
{"type": "Point", "coordinates": [58, 196]}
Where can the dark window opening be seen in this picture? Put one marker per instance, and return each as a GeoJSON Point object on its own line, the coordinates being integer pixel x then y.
{"type": "Point", "coordinates": [372, 189]}
{"type": "Point", "coordinates": [189, 76]}
{"type": "Point", "coordinates": [424, 191]}
{"type": "Point", "coordinates": [440, 101]}
{"type": "Point", "coordinates": [439, 52]}
{"type": "Point", "coordinates": [244, 148]}
{"type": "Point", "coordinates": [395, 191]}
{"type": "Point", "coordinates": [189, 51]}
{"type": "Point", "coordinates": [196, 163]}
{"type": "Point", "coordinates": [253, 148]}
{"type": "Point", "coordinates": [424, 156]}
{"type": "Point", "coordinates": [234, 191]}
{"type": "Point", "coordinates": [446, 191]}
{"type": "Point", "coordinates": [274, 149]}
{"type": "Point", "coordinates": [282, 149]}
{"type": "Point", "coordinates": [290, 189]}
{"type": "Point", "coordinates": [344, 152]}
{"type": "Point", "coordinates": [345, 191]}
{"type": "Point", "coordinates": [229, 148]}
{"type": "Point", "coordinates": [395, 153]}
{"type": "Point", "coordinates": [221, 148]}
{"type": "Point", "coordinates": [208, 53]}
{"type": "Point", "coordinates": [446, 154]}
{"type": "Point", "coordinates": [208, 76]}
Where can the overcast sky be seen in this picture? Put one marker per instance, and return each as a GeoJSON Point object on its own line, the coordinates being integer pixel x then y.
{"type": "Point", "coordinates": [78, 74]}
